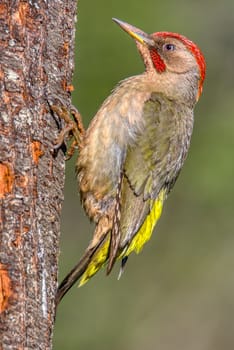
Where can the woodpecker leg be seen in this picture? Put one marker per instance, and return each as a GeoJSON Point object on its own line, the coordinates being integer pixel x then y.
{"type": "Point", "coordinates": [74, 129]}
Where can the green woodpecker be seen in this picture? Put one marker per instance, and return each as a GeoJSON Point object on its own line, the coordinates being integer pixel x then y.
{"type": "Point", "coordinates": [134, 149]}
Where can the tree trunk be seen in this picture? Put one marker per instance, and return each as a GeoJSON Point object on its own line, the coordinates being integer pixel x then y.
{"type": "Point", "coordinates": [36, 65]}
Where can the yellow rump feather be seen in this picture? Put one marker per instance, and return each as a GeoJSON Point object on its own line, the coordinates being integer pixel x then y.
{"type": "Point", "coordinates": [98, 260]}
{"type": "Point", "coordinates": [147, 227]}
{"type": "Point", "coordinates": [143, 235]}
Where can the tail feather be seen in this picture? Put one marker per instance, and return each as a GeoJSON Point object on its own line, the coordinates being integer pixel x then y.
{"type": "Point", "coordinates": [92, 260]}
{"type": "Point", "coordinates": [115, 232]}
{"type": "Point", "coordinates": [97, 261]}
{"type": "Point", "coordinates": [98, 252]}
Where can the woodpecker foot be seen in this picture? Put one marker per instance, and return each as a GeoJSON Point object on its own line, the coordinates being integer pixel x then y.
{"type": "Point", "coordinates": [73, 129]}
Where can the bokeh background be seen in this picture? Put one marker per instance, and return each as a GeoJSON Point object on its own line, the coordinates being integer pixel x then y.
{"type": "Point", "coordinates": [179, 292]}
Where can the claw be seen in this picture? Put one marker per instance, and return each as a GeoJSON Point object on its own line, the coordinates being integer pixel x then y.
{"type": "Point", "coordinates": [73, 129]}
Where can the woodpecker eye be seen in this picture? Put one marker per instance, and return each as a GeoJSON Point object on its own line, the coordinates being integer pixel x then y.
{"type": "Point", "coordinates": [169, 47]}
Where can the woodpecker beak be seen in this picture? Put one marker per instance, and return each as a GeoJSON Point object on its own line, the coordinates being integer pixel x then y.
{"type": "Point", "coordinates": [135, 33]}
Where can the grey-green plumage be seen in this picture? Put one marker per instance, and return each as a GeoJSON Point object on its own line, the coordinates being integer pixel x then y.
{"type": "Point", "coordinates": [134, 149]}
{"type": "Point", "coordinates": [153, 162]}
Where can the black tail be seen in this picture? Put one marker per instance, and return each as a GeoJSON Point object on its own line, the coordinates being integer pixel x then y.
{"type": "Point", "coordinates": [74, 274]}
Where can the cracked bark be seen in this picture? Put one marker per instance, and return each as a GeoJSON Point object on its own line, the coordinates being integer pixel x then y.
{"type": "Point", "coordinates": [36, 66]}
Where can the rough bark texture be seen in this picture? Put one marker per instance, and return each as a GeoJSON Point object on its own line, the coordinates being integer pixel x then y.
{"type": "Point", "coordinates": [36, 64]}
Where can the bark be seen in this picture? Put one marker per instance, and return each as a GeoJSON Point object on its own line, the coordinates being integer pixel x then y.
{"type": "Point", "coordinates": [36, 64]}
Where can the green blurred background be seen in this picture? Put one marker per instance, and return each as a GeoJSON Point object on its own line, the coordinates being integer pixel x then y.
{"type": "Point", "coordinates": [178, 293]}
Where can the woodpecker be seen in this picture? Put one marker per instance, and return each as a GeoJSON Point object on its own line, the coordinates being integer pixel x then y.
{"type": "Point", "coordinates": [132, 152]}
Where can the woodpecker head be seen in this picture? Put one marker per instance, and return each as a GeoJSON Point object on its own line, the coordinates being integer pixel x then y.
{"type": "Point", "coordinates": [165, 52]}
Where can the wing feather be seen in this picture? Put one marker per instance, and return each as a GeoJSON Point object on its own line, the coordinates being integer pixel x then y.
{"type": "Point", "coordinates": [152, 164]}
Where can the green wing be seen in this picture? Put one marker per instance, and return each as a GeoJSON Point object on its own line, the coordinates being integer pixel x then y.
{"type": "Point", "coordinates": [152, 165]}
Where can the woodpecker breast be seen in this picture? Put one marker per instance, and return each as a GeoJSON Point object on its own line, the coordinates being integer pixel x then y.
{"type": "Point", "coordinates": [113, 129]}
